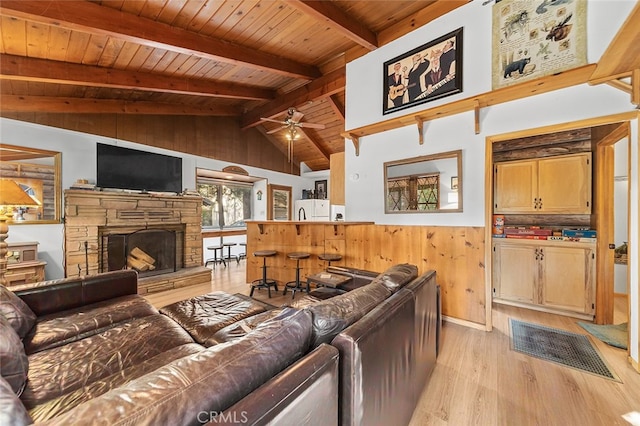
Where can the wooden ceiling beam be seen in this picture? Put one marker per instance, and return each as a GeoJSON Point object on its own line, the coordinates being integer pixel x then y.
{"type": "Point", "coordinates": [51, 104]}
{"type": "Point", "coordinates": [314, 141]}
{"type": "Point", "coordinates": [41, 70]}
{"type": "Point", "coordinates": [95, 19]}
{"type": "Point", "coordinates": [338, 21]}
{"type": "Point", "coordinates": [337, 107]}
{"type": "Point", "coordinates": [323, 87]}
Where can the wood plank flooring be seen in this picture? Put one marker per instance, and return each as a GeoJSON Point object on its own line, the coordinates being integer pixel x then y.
{"type": "Point", "coordinates": [479, 380]}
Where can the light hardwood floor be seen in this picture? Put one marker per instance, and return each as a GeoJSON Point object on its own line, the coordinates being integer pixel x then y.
{"type": "Point", "coordinates": [479, 380]}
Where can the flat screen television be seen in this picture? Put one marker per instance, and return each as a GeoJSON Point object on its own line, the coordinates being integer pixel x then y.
{"type": "Point", "coordinates": [125, 168]}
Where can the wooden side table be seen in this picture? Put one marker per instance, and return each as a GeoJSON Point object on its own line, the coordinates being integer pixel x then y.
{"type": "Point", "coordinates": [25, 272]}
{"type": "Point", "coordinates": [23, 265]}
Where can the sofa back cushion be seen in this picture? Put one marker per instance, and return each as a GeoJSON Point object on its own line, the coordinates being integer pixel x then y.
{"type": "Point", "coordinates": [397, 276]}
{"type": "Point", "coordinates": [188, 390]}
{"type": "Point", "coordinates": [16, 312]}
{"type": "Point", "coordinates": [333, 315]}
{"type": "Point", "coordinates": [48, 297]}
{"type": "Point", "coordinates": [14, 364]}
{"type": "Point", "coordinates": [12, 412]}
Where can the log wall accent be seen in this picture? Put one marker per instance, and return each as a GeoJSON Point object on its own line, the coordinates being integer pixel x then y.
{"type": "Point", "coordinates": [455, 253]}
{"type": "Point", "coordinates": [91, 214]}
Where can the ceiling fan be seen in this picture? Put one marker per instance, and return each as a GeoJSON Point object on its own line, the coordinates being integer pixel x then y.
{"type": "Point", "coordinates": [291, 123]}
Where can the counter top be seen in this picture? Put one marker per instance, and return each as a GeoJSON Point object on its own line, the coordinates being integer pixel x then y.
{"type": "Point", "coordinates": [306, 222]}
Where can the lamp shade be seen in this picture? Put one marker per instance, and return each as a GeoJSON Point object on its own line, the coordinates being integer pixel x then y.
{"type": "Point", "coordinates": [11, 195]}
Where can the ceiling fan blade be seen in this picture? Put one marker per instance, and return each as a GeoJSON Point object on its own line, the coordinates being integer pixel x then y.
{"type": "Point", "coordinates": [272, 120]}
{"type": "Point", "coordinates": [277, 129]}
{"type": "Point", "coordinates": [297, 116]}
{"type": "Point", "coordinates": [312, 125]}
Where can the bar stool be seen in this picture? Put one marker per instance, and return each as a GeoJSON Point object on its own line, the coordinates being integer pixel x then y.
{"type": "Point", "coordinates": [330, 257]}
{"type": "Point", "coordinates": [295, 285]}
{"type": "Point", "coordinates": [243, 255]}
{"type": "Point", "coordinates": [264, 282]}
{"type": "Point", "coordinates": [228, 246]}
{"type": "Point", "coordinates": [215, 259]}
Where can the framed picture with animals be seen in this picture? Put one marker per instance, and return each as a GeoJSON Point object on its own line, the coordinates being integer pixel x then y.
{"type": "Point", "coordinates": [536, 39]}
{"type": "Point", "coordinates": [426, 73]}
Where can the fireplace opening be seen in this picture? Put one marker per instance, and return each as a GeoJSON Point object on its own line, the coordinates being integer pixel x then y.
{"type": "Point", "coordinates": [148, 251]}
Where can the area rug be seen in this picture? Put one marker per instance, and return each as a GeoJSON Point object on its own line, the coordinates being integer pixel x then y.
{"type": "Point", "coordinates": [613, 335]}
{"type": "Point", "coordinates": [559, 346]}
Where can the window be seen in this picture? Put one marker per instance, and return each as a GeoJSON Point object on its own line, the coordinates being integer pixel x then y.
{"type": "Point", "coordinates": [226, 204]}
{"type": "Point", "coordinates": [413, 193]}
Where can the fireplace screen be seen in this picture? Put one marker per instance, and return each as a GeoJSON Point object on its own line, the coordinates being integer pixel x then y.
{"type": "Point", "coordinates": [149, 251]}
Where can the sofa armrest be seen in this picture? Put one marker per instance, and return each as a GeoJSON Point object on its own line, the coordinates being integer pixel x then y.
{"type": "Point", "coordinates": [48, 297]}
{"type": "Point", "coordinates": [306, 390]}
{"type": "Point", "coordinates": [360, 277]}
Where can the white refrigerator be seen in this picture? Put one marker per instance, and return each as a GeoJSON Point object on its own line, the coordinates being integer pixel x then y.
{"type": "Point", "coordinates": [312, 210]}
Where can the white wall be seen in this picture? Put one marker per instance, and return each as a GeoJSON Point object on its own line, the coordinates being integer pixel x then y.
{"type": "Point", "coordinates": [79, 162]}
{"type": "Point", "coordinates": [365, 196]}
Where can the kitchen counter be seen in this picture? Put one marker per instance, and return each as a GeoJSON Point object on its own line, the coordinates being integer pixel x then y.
{"type": "Point", "coordinates": [291, 236]}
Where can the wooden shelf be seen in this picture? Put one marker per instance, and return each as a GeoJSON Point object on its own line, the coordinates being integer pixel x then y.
{"type": "Point", "coordinates": [550, 83]}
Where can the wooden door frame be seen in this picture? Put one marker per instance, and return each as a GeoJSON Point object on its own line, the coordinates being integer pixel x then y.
{"type": "Point", "coordinates": [602, 289]}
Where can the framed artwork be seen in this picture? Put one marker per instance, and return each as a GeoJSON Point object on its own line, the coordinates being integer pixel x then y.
{"type": "Point", "coordinates": [454, 183]}
{"type": "Point", "coordinates": [321, 189]}
{"type": "Point", "coordinates": [426, 73]}
{"type": "Point", "coordinates": [536, 39]}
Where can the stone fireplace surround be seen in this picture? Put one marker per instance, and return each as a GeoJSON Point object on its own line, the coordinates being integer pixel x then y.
{"type": "Point", "coordinates": [90, 215]}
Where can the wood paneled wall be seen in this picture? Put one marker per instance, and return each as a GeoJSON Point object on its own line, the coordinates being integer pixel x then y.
{"type": "Point", "coordinates": [455, 253]}
{"type": "Point", "coordinates": [212, 137]}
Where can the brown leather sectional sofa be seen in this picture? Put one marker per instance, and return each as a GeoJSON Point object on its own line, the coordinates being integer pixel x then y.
{"type": "Point", "coordinates": [98, 353]}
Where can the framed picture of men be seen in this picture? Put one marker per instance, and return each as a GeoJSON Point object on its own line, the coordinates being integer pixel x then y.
{"type": "Point", "coordinates": [426, 73]}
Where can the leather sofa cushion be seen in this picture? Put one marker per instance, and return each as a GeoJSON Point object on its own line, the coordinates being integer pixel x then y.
{"type": "Point", "coordinates": [61, 370]}
{"type": "Point", "coordinates": [397, 276]}
{"type": "Point", "coordinates": [203, 316]}
{"type": "Point", "coordinates": [47, 297]}
{"type": "Point", "coordinates": [16, 312]}
{"type": "Point", "coordinates": [209, 381]}
{"type": "Point", "coordinates": [12, 412]}
{"type": "Point", "coordinates": [241, 328]}
{"type": "Point", "coordinates": [66, 402]}
{"type": "Point", "coordinates": [333, 315]}
{"type": "Point", "coordinates": [74, 324]}
{"type": "Point", "coordinates": [14, 364]}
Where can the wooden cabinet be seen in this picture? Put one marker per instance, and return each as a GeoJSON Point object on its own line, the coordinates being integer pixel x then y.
{"type": "Point", "coordinates": [552, 185]}
{"type": "Point", "coordinates": [552, 276]}
{"type": "Point", "coordinates": [23, 265]}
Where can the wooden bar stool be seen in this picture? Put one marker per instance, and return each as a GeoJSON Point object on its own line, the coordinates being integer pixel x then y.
{"type": "Point", "coordinates": [228, 246]}
{"type": "Point", "coordinates": [264, 282]}
{"type": "Point", "coordinates": [330, 257]}
{"type": "Point", "coordinates": [295, 285]}
{"type": "Point", "coordinates": [215, 259]}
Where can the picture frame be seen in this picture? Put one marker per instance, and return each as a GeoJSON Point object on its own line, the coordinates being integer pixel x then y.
{"type": "Point", "coordinates": [426, 73]}
{"type": "Point", "coordinates": [454, 183]}
{"type": "Point", "coordinates": [321, 189]}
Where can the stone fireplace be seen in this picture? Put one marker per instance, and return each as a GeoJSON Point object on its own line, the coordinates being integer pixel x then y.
{"type": "Point", "coordinates": [157, 235]}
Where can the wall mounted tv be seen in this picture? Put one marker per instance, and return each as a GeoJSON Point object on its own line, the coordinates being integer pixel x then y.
{"type": "Point", "coordinates": [125, 168]}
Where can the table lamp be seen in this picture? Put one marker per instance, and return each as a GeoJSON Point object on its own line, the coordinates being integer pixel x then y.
{"type": "Point", "coordinates": [11, 196]}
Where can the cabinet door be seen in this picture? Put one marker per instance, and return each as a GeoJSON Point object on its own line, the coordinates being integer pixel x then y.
{"type": "Point", "coordinates": [567, 277]}
{"type": "Point", "coordinates": [564, 184]}
{"type": "Point", "coordinates": [515, 187]}
{"type": "Point", "coordinates": [515, 272]}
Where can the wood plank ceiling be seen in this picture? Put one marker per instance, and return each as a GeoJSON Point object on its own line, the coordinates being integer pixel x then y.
{"type": "Point", "coordinates": [248, 58]}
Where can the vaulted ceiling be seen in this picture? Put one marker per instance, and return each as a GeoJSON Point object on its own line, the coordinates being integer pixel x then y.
{"type": "Point", "coordinates": [250, 59]}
